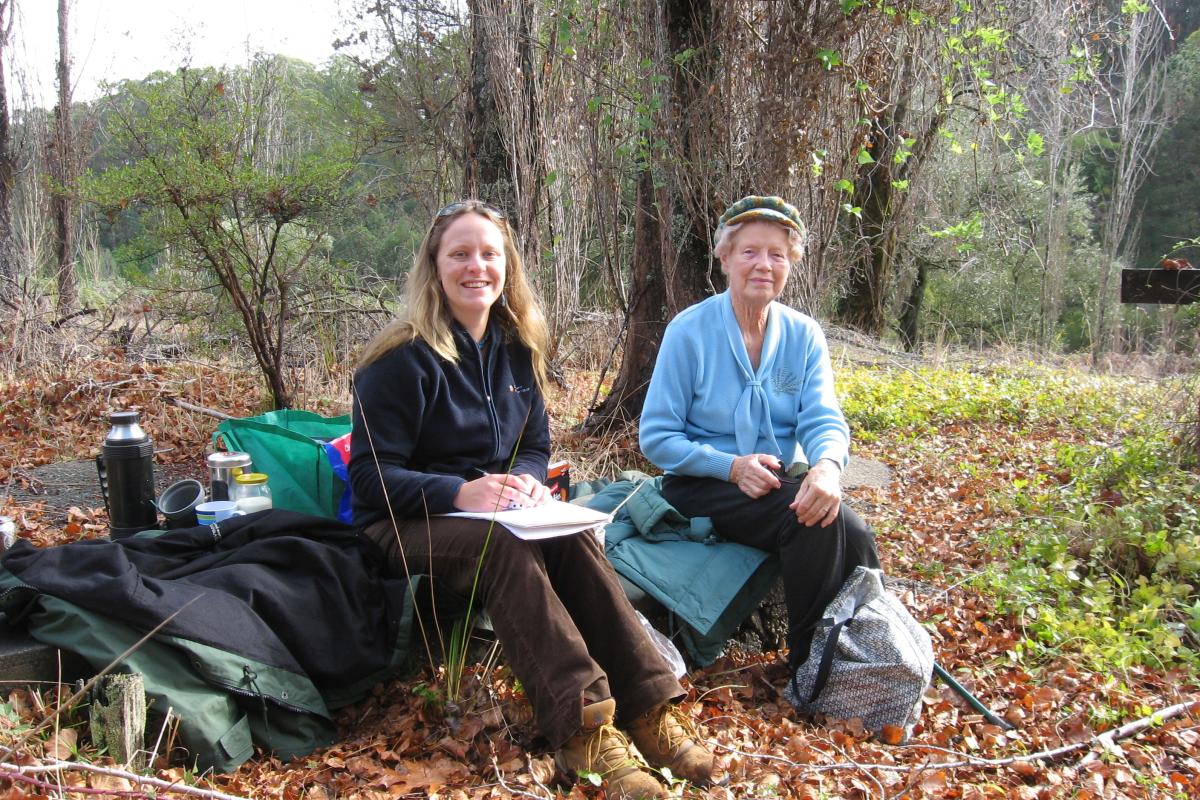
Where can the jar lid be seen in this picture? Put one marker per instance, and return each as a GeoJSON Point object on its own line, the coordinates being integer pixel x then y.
{"type": "Point", "coordinates": [251, 477]}
{"type": "Point", "coordinates": [233, 458]}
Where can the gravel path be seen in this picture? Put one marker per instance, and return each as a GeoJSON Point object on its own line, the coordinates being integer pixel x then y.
{"type": "Point", "coordinates": [76, 483]}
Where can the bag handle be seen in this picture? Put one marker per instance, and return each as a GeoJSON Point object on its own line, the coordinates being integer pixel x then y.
{"type": "Point", "coordinates": [826, 665]}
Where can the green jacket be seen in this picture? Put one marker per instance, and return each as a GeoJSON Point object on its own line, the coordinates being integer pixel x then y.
{"type": "Point", "coordinates": [239, 661]}
{"type": "Point", "coordinates": [710, 584]}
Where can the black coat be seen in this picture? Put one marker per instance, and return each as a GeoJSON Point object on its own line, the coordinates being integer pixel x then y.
{"type": "Point", "coordinates": [293, 591]}
{"type": "Point", "coordinates": [423, 426]}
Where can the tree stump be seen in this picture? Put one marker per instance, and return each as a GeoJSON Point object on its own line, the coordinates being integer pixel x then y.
{"type": "Point", "coordinates": [117, 718]}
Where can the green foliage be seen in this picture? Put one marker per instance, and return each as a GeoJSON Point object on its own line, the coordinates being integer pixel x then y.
{"type": "Point", "coordinates": [1101, 556]}
{"type": "Point", "coordinates": [1108, 563]}
{"type": "Point", "coordinates": [240, 176]}
{"type": "Point", "coordinates": [989, 276]}
{"type": "Point", "coordinates": [828, 58]}
{"type": "Point", "coordinates": [911, 404]}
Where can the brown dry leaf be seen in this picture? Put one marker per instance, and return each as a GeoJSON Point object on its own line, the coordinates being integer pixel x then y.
{"type": "Point", "coordinates": [454, 747]}
{"type": "Point", "coordinates": [110, 783]}
{"type": "Point", "coordinates": [1024, 793]}
{"type": "Point", "coordinates": [892, 734]}
{"type": "Point", "coordinates": [62, 743]}
{"type": "Point", "coordinates": [363, 767]}
{"type": "Point", "coordinates": [542, 769]}
{"type": "Point", "coordinates": [933, 779]}
{"type": "Point", "coordinates": [469, 728]}
{"type": "Point", "coordinates": [18, 701]}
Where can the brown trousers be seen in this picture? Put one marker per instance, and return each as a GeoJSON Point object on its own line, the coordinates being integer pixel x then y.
{"type": "Point", "coordinates": [562, 619]}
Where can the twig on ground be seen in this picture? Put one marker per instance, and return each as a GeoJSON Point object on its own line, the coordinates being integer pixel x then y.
{"type": "Point", "coordinates": [533, 775]}
{"type": "Point", "coordinates": [59, 789]}
{"type": "Point", "coordinates": [55, 765]}
{"type": "Point", "coordinates": [1104, 739]}
{"type": "Point", "coordinates": [186, 406]}
{"type": "Point", "coordinates": [863, 768]}
{"type": "Point", "coordinates": [512, 789]}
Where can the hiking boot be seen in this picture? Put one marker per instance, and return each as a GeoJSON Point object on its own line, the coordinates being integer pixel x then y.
{"type": "Point", "coordinates": [604, 750]}
{"type": "Point", "coordinates": [667, 738]}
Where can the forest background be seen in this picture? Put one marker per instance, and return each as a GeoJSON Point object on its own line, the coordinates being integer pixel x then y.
{"type": "Point", "coordinates": [974, 175]}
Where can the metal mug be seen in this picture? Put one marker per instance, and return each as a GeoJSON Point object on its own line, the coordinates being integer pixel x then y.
{"type": "Point", "coordinates": [223, 468]}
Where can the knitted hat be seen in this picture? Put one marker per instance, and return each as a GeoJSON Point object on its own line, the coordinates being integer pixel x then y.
{"type": "Point", "coordinates": [770, 209]}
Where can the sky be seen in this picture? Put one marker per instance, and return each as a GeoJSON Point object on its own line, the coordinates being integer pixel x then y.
{"type": "Point", "coordinates": [112, 40]}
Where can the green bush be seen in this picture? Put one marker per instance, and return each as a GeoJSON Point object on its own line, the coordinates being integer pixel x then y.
{"type": "Point", "coordinates": [1098, 551]}
{"type": "Point", "coordinates": [1109, 563]}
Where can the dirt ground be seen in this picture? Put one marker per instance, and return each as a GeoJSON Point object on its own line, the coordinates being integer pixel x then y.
{"type": "Point", "coordinates": [76, 484]}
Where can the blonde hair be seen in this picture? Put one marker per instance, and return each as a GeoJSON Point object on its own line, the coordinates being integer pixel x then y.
{"type": "Point", "coordinates": [427, 315]}
{"type": "Point", "coordinates": [726, 232]}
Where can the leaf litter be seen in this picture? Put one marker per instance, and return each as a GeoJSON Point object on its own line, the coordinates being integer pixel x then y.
{"type": "Point", "coordinates": [402, 741]}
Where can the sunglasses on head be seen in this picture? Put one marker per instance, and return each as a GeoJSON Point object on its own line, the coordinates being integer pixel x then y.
{"type": "Point", "coordinates": [468, 205]}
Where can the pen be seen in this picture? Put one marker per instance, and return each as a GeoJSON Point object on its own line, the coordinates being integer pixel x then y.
{"type": "Point", "coordinates": [512, 506]}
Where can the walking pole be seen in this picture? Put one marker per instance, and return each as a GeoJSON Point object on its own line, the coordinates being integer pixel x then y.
{"type": "Point", "coordinates": [971, 699]}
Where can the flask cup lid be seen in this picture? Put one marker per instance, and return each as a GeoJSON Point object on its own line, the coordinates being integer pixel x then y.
{"type": "Point", "coordinates": [125, 428]}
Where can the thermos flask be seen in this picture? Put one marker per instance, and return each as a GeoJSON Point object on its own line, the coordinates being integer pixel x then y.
{"type": "Point", "coordinates": [126, 467]}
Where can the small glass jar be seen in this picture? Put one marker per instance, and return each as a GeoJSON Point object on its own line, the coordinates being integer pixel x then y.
{"type": "Point", "coordinates": [251, 492]}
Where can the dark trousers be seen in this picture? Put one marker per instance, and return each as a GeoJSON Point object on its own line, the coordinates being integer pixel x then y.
{"type": "Point", "coordinates": [815, 561]}
{"type": "Point", "coordinates": [562, 619]}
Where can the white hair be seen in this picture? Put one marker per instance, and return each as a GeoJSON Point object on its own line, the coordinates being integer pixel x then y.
{"type": "Point", "coordinates": [726, 232]}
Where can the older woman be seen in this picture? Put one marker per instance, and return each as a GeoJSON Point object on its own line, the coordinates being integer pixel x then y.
{"type": "Point", "coordinates": [448, 416]}
{"type": "Point", "coordinates": [743, 389]}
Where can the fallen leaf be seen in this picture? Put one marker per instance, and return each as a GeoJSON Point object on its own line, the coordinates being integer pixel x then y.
{"type": "Point", "coordinates": [62, 744]}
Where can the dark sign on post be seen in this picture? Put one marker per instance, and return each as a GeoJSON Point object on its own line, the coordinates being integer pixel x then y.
{"type": "Point", "coordinates": [1169, 286]}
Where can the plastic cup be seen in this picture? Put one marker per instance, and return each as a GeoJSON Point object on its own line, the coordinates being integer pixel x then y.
{"type": "Point", "coordinates": [178, 503]}
{"type": "Point", "coordinates": [217, 511]}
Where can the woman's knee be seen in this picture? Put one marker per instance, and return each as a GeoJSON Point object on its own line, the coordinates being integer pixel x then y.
{"type": "Point", "coordinates": [505, 554]}
{"type": "Point", "coordinates": [860, 538]}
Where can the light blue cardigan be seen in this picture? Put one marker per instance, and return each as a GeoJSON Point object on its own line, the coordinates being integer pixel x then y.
{"type": "Point", "coordinates": [705, 405]}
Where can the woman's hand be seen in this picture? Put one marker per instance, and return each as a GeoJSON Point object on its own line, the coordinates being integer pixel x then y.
{"type": "Point", "coordinates": [753, 474]}
{"type": "Point", "coordinates": [820, 496]}
{"type": "Point", "coordinates": [499, 492]}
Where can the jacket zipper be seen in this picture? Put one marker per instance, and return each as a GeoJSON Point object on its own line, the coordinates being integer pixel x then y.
{"type": "Point", "coordinates": [238, 690]}
{"type": "Point", "coordinates": [493, 417]}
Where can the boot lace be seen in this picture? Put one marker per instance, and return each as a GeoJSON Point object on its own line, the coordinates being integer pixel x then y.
{"type": "Point", "coordinates": [674, 729]}
{"type": "Point", "coordinates": [608, 750]}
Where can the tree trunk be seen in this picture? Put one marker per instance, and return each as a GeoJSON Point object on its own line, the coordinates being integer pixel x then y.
{"type": "Point", "coordinates": [486, 172]}
{"type": "Point", "coordinates": [1140, 73]}
{"type": "Point", "coordinates": [644, 318]}
{"type": "Point", "coordinates": [63, 171]}
{"type": "Point", "coordinates": [901, 141]}
{"type": "Point", "coordinates": [689, 25]}
{"type": "Point", "coordinates": [909, 326]}
{"type": "Point", "coordinates": [864, 304]}
{"type": "Point", "coordinates": [667, 277]}
{"type": "Point", "coordinates": [8, 250]}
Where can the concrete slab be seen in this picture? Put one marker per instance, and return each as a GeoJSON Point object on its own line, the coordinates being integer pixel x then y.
{"type": "Point", "coordinates": [865, 473]}
{"type": "Point", "coordinates": [23, 659]}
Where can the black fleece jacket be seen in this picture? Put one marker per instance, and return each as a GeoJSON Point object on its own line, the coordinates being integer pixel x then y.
{"type": "Point", "coordinates": [424, 426]}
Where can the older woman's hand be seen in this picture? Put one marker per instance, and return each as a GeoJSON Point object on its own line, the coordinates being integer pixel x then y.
{"type": "Point", "coordinates": [820, 496]}
{"type": "Point", "coordinates": [754, 474]}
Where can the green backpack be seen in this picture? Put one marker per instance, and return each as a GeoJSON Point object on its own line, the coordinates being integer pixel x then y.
{"type": "Point", "coordinates": [290, 447]}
